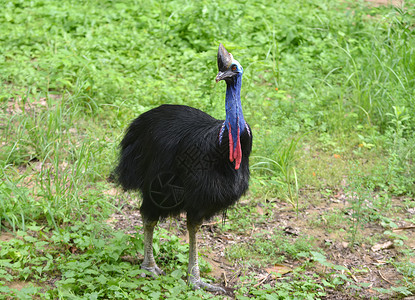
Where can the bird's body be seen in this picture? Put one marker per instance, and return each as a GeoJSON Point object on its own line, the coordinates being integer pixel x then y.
{"type": "Point", "coordinates": [184, 160]}
{"type": "Point", "coordinates": [184, 155]}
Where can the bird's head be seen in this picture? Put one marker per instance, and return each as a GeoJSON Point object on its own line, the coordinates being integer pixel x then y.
{"type": "Point", "coordinates": [229, 68]}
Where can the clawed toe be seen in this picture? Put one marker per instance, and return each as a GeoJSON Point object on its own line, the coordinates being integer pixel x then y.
{"type": "Point", "coordinates": [154, 271]}
{"type": "Point", "coordinates": [199, 284]}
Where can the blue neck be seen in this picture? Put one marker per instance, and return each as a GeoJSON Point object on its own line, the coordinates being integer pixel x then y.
{"type": "Point", "coordinates": [234, 115]}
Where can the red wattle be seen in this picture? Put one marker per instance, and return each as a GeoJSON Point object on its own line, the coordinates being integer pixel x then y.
{"type": "Point", "coordinates": [237, 154]}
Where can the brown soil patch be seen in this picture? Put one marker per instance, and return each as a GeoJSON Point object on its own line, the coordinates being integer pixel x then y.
{"type": "Point", "coordinates": [398, 3]}
{"type": "Point", "coordinates": [5, 236]}
{"type": "Point", "coordinates": [17, 285]}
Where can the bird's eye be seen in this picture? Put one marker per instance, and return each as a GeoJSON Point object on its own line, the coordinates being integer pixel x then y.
{"type": "Point", "coordinates": [233, 67]}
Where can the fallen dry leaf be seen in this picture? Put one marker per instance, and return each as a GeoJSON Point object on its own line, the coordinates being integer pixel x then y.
{"type": "Point", "coordinates": [381, 246]}
{"type": "Point", "coordinates": [259, 210]}
{"type": "Point", "coordinates": [291, 230]}
{"type": "Point", "coordinates": [111, 192]}
{"type": "Point", "coordinates": [279, 269]}
{"type": "Point", "coordinates": [111, 220]}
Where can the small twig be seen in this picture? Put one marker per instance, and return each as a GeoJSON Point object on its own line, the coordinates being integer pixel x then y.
{"type": "Point", "coordinates": [211, 224]}
{"type": "Point", "coordinates": [354, 277]}
{"type": "Point", "coordinates": [381, 275]}
{"type": "Point", "coordinates": [262, 281]}
{"type": "Point", "coordinates": [351, 275]}
{"type": "Point", "coordinates": [225, 279]}
{"type": "Point", "coordinates": [403, 228]}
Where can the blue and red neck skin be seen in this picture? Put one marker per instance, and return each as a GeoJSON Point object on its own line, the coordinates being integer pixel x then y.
{"type": "Point", "coordinates": [234, 122]}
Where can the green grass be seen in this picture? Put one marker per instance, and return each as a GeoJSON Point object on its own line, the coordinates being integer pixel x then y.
{"type": "Point", "coordinates": [270, 248]}
{"type": "Point", "coordinates": [326, 83]}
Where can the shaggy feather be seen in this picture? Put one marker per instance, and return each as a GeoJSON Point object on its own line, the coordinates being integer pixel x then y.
{"type": "Point", "coordinates": [182, 141]}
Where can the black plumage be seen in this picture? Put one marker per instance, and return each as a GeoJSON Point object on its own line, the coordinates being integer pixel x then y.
{"type": "Point", "coordinates": [179, 158]}
{"type": "Point", "coordinates": [182, 141]}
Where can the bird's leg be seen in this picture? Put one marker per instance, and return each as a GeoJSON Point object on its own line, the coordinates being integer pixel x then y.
{"type": "Point", "coordinates": [149, 263]}
{"type": "Point", "coordinates": [193, 272]}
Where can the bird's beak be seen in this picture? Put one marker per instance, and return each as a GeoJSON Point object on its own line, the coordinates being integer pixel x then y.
{"type": "Point", "coordinates": [220, 76]}
{"type": "Point", "coordinates": [224, 61]}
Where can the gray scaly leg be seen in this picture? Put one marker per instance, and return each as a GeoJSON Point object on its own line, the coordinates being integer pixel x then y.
{"type": "Point", "coordinates": [193, 272]}
{"type": "Point", "coordinates": [149, 263]}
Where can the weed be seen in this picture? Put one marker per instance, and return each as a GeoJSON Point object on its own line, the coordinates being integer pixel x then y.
{"type": "Point", "coordinates": [358, 195]}
{"type": "Point", "coordinates": [400, 151]}
{"type": "Point", "coordinates": [283, 171]}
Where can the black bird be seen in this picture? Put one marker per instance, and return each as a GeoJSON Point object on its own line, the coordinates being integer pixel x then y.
{"type": "Point", "coordinates": [184, 160]}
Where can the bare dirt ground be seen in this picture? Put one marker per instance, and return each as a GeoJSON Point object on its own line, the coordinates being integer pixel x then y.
{"type": "Point", "coordinates": [386, 2]}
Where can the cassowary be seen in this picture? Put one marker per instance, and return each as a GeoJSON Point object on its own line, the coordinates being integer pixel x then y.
{"type": "Point", "coordinates": [184, 160]}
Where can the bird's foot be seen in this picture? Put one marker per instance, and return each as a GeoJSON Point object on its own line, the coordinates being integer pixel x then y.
{"type": "Point", "coordinates": [199, 284]}
{"type": "Point", "coordinates": [154, 271]}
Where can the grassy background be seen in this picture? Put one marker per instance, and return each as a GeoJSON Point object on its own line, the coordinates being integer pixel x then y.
{"type": "Point", "coordinates": [322, 78]}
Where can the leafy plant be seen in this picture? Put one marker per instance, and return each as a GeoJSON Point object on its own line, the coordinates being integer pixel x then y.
{"type": "Point", "coordinates": [358, 195]}
{"type": "Point", "coordinates": [400, 150]}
